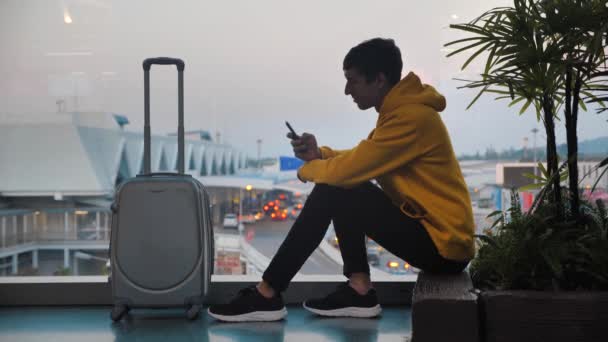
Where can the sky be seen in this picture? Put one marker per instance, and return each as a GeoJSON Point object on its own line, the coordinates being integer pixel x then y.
{"type": "Point", "coordinates": [250, 66]}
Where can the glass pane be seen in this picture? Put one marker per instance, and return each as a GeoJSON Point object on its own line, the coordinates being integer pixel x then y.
{"type": "Point", "coordinates": [71, 120]}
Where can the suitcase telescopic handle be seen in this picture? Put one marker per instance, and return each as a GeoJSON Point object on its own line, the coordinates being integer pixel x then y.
{"type": "Point", "coordinates": [147, 64]}
{"type": "Point", "coordinates": [163, 174]}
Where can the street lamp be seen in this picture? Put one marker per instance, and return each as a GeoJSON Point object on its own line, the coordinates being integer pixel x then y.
{"type": "Point", "coordinates": [534, 131]}
{"type": "Point", "coordinates": [248, 187]}
{"type": "Point", "coordinates": [259, 141]}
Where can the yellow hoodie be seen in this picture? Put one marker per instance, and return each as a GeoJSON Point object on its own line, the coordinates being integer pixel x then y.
{"type": "Point", "coordinates": [410, 154]}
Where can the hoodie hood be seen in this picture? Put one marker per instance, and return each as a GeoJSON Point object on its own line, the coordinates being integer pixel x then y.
{"type": "Point", "coordinates": [410, 90]}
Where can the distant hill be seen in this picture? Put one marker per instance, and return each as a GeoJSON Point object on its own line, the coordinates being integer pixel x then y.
{"type": "Point", "coordinates": [587, 149]}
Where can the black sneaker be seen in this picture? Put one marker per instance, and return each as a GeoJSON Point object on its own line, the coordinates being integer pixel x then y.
{"type": "Point", "coordinates": [345, 302]}
{"type": "Point", "coordinates": [250, 306]}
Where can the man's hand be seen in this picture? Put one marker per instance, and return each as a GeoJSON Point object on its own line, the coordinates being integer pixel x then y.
{"type": "Point", "coordinates": [305, 146]}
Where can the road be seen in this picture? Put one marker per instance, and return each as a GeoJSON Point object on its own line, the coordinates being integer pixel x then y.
{"type": "Point", "coordinates": [266, 236]}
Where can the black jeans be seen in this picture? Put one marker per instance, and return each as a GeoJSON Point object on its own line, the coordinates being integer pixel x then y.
{"type": "Point", "coordinates": [356, 212]}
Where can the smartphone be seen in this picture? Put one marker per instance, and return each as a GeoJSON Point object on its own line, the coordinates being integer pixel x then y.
{"type": "Point", "coordinates": [291, 129]}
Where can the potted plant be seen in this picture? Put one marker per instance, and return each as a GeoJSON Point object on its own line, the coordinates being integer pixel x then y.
{"type": "Point", "coordinates": [543, 274]}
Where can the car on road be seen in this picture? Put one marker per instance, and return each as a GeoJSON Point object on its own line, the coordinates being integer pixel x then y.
{"type": "Point", "coordinates": [293, 212]}
{"type": "Point", "coordinates": [333, 240]}
{"type": "Point", "coordinates": [231, 221]}
{"type": "Point", "coordinates": [279, 215]}
{"type": "Point", "coordinates": [247, 218]}
{"type": "Point", "coordinates": [400, 267]}
{"type": "Point", "coordinates": [373, 256]}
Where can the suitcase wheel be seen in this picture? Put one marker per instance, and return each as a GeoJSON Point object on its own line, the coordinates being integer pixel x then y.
{"type": "Point", "coordinates": [193, 312]}
{"type": "Point", "coordinates": [118, 311]}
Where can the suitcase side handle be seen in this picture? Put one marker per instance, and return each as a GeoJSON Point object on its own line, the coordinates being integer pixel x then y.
{"type": "Point", "coordinates": [180, 94]}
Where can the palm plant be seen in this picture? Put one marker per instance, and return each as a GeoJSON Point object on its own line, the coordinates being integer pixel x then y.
{"type": "Point", "coordinates": [517, 67]}
{"type": "Point", "coordinates": [545, 54]}
{"type": "Point", "coordinates": [578, 29]}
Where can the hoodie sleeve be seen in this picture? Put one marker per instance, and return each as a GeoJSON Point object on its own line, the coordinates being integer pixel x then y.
{"type": "Point", "coordinates": [391, 146]}
{"type": "Point", "coordinates": [328, 152]}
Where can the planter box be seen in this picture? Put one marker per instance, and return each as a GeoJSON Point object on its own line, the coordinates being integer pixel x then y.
{"type": "Point", "coordinates": [523, 316]}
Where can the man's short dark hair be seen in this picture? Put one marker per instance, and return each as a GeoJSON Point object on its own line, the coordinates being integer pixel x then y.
{"type": "Point", "coordinates": [376, 56]}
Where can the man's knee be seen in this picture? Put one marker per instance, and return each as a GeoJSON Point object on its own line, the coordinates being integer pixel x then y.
{"type": "Point", "coordinates": [325, 195]}
{"type": "Point", "coordinates": [325, 190]}
{"type": "Point", "coordinates": [362, 192]}
{"type": "Point", "coordinates": [338, 200]}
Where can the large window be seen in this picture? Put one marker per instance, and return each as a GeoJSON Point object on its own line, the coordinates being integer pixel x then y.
{"type": "Point", "coordinates": [71, 117]}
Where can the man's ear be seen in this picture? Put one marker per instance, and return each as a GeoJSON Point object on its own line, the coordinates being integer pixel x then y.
{"type": "Point", "coordinates": [381, 80]}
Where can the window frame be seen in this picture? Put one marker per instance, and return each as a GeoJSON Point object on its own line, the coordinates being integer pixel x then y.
{"type": "Point", "coordinates": [96, 290]}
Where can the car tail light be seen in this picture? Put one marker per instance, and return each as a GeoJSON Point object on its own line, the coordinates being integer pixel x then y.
{"type": "Point", "coordinates": [265, 208]}
{"type": "Point", "coordinates": [284, 215]}
{"type": "Point", "coordinates": [273, 215]}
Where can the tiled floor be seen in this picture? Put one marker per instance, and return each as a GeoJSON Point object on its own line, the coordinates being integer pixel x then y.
{"type": "Point", "coordinates": [91, 324]}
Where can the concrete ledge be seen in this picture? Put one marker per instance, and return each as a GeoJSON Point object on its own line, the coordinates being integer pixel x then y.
{"type": "Point", "coordinates": [95, 290]}
{"type": "Point", "coordinates": [444, 308]}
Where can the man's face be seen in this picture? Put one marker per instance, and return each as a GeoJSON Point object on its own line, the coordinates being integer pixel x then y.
{"type": "Point", "coordinates": [365, 94]}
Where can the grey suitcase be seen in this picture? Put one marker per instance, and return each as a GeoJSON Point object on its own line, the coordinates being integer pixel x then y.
{"type": "Point", "coordinates": [161, 246]}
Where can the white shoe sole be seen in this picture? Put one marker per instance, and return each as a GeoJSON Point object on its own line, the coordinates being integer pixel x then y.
{"type": "Point", "coordinates": [348, 312]}
{"type": "Point", "coordinates": [256, 316]}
